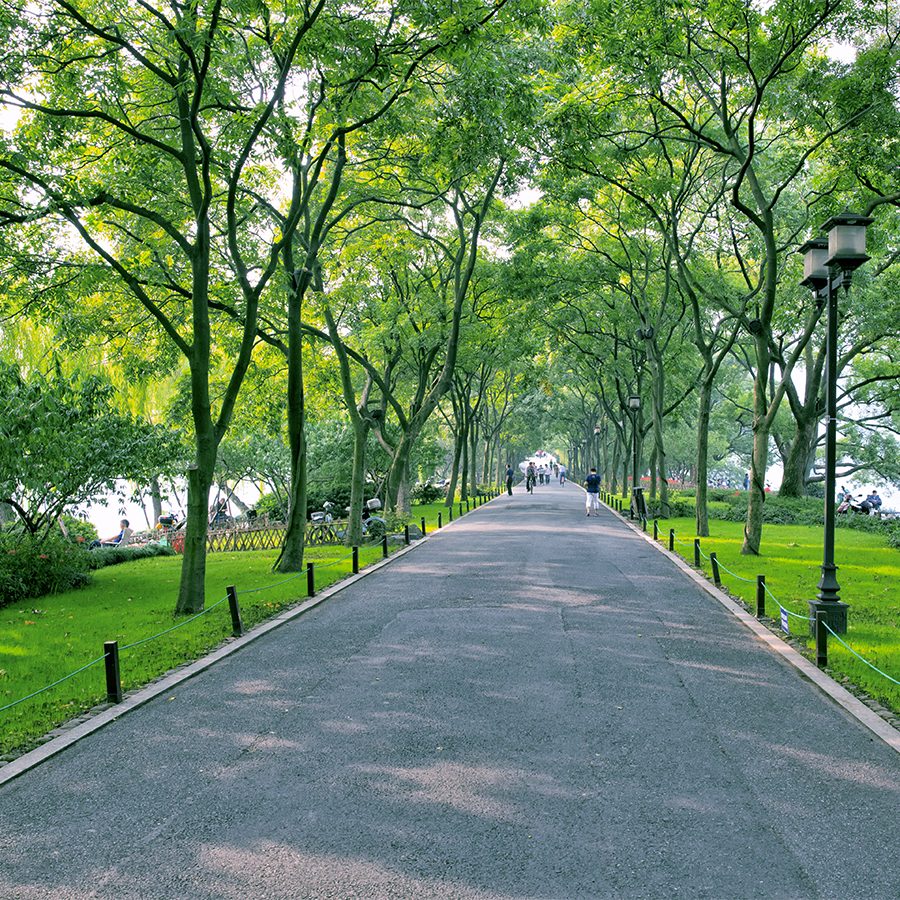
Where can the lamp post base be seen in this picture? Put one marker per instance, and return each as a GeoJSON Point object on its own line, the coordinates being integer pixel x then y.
{"type": "Point", "coordinates": [835, 615]}
{"type": "Point", "coordinates": [638, 504]}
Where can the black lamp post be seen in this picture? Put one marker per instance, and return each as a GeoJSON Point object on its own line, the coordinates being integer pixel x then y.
{"type": "Point", "coordinates": [637, 493]}
{"type": "Point", "coordinates": [597, 431]}
{"type": "Point", "coordinates": [828, 265]}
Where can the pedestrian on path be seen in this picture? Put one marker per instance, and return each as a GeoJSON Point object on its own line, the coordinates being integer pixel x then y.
{"type": "Point", "coordinates": [592, 495]}
{"type": "Point", "coordinates": [562, 475]}
{"type": "Point", "coordinates": [509, 478]}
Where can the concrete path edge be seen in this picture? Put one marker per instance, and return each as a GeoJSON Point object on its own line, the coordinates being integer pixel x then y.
{"type": "Point", "coordinates": [38, 755]}
{"type": "Point", "coordinates": [850, 704]}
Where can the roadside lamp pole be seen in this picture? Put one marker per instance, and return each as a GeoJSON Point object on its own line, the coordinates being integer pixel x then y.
{"type": "Point", "coordinates": [637, 492]}
{"type": "Point", "coordinates": [828, 265]}
{"type": "Point", "coordinates": [597, 432]}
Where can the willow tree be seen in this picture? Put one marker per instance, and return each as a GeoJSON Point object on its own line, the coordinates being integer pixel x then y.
{"type": "Point", "coordinates": [142, 132]}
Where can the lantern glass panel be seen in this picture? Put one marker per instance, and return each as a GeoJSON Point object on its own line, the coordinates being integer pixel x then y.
{"type": "Point", "coordinates": [814, 264]}
{"type": "Point", "coordinates": [847, 240]}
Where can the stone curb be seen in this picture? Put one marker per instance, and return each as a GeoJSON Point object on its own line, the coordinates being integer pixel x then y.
{"type": "Point", "coordinates": [70, 736]}
{"type": "Point", "coordinates": [850, 704]}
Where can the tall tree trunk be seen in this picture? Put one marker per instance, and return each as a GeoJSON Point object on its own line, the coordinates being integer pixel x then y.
{"type": "Point", "coordinates": [156, 498]}
{"type": "Point", "coordinates": [797, 463]}
{"type": "Point", "coordinates": [473, 457]}
{"type": "Point", "coordinates": [357, 482]}
{"type": "Point", "coordinates": [192, 587]}
{"type": "Point", "coordinates": [614, 466]}
{"type": "Point", "coordinates": [397, 490]}
{"type": "Point", "coordinates": [291, 557]}
{"type": "Point", "coordinates": [454, 474]}
{"type": "Point", "coordinates": [704, 408]}
{"type": "Point", "coordinates": [464, 463]}
{"type": "Point", "coordinates": [760, 457]}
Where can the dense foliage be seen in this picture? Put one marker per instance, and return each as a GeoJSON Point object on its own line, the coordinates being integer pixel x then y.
{"type": "Point", "coordinates": [347, 250]}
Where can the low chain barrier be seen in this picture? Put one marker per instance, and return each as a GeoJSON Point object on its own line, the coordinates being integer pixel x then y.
{"type": "Point", "coordinates": [111, 649]}
{"type": "Point", "coordinates": [820, 628]}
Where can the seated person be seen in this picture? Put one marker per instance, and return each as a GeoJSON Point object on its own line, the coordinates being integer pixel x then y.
{"type": "Point", "coordinates": [117, 540]}
{"type": "Point", "coordinates": [873, 501]}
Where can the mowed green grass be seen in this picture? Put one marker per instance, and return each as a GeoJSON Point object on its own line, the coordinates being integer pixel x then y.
{"type": "Point", "coordinates": [46, 639]}
{"type": "Point", "coordinates": [868, 572]}
{"type": "Point", "coordinates": [43, 640]}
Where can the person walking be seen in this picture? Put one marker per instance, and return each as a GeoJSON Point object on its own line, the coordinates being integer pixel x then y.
{"type": "Point", "coordinates": [562, 475]}
{"type": "Point", "coordinates": [509, 478]}
{"type": "Point", "coordinates": [592, 493]}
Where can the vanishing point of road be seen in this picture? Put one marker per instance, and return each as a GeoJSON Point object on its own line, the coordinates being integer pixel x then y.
{"type": "Point", "coordinates": [531, 704]}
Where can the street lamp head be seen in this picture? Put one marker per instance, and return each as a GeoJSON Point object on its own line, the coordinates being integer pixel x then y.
{"type": "Point", "coordinates": [634, 402]}
{"type": "Point", "coordinates": [597, 429]}
{"type": "Point", "coordinates": [847, 240]}
{"type": "Point", "coordinates": [815, 266]}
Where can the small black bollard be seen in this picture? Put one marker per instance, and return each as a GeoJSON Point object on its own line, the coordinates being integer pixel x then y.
{"type": "Point", "coordinates": [821, 640]}
{"type": "Point", "coordinates": [406, 534]}
{"type": "Point", "coordinates": [356, 560]}
{"type": "Point", "coordinates": [310, 580]}
{"type": "Point", "coordinates": [760, 596]}
{"type": "Point", "coordinates": [423, 526]}
{"type": "Point", "coordinates": [113, 681]}
{"type": "Point", "coordinates": [714, 562]}
{"type": "Point", "coordinates": [440, 521]}
{"type": "Point", "coordinates": [237, 626]}
{"type": "Point", "coordinates": [672, 540]}
{"type": "Point", "coordinates": [450, 511]}
{"type": "Point", "coordinates": [467, 505]}
{"type": "Point", "coordinates": [655, 529]}
{"type": "Point", "coordinates": [384, 549]}
{"type": "Point", "coordinates": [644, 524]}
{"type": "Point", "coordinates": [460, 507]}
{"type": "Point", "coordinates": [697, 552]}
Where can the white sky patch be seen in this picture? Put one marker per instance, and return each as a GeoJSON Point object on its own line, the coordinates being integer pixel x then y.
{"type": "Point", "coordinates": [841, 52]}
{"type": "Point", "coordinates": [524, 198]}
{"type": "Point", "coordinates": [9, 118]}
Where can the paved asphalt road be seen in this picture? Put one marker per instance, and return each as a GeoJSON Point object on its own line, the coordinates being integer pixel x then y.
{"type": "Point", "coordinates": [534, 704]}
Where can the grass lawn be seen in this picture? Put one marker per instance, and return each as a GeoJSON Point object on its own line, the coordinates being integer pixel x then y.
{"type": "Point", "coordinates": [868, 571]}
{"type": "Point", "coordinates": [43, 640]}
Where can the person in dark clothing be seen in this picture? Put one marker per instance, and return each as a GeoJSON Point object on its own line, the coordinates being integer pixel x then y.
{"type": "Point", "coordinates": [592, 493]}
{"type": "Point", "coordinates": [509, 479]}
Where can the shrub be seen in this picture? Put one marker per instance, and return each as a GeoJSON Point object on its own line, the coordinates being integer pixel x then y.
{"type": "Point", "coordinates": [80, 530]}
{"type": "Point", "coordinates": [395, 521]}
{"type": "Point", "coordinates": [271, 506]}
{"type": "Point", "coordinates": [681, 504]}
{"type": "Point", "coordinates": [32, 568]}
{"type": "Point", "coordinates": [427, 492]}
{"type": "Point", "coordinates": [112, 556]}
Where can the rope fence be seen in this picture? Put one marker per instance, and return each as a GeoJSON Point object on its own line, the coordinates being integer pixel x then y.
{"type": "Point", "coordinates": [177, 625]}
{"type": "Point", "coordinates": [93, 662]}
{"type": "Point", "coordinates": [858, 656]}
{"type": "Point", "coordinates": [112, 650]}
{"type": "Point", "coordinates": [818, 624]}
